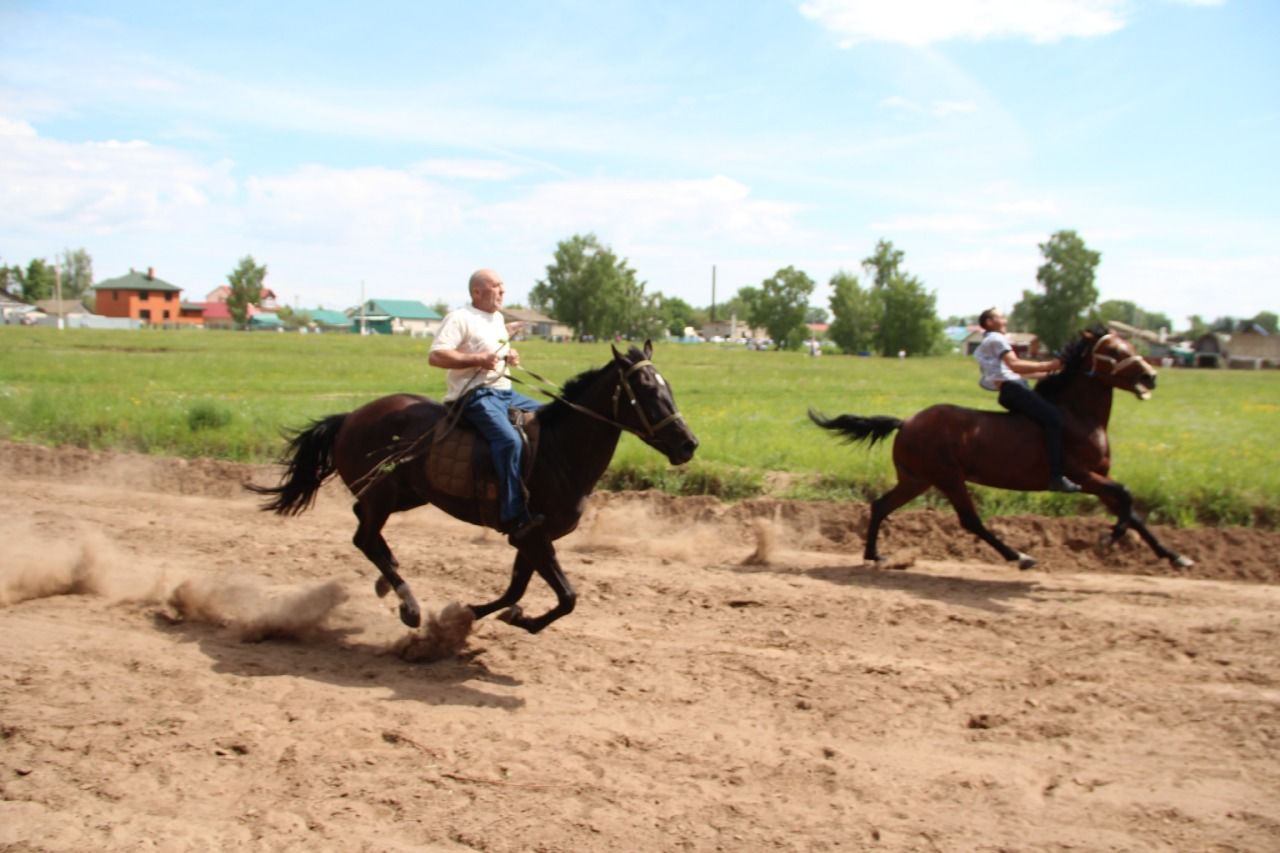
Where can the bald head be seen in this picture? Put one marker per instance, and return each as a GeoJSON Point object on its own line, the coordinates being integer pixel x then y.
{"type": "Point", "coordinates": [486, 290]}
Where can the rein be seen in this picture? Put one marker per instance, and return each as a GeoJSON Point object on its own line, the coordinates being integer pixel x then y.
{"type": "Point", "coordinates": [650, 430]}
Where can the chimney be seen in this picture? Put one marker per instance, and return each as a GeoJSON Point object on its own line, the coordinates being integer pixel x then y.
{"type": "Point", "coordinates": [151, 273]}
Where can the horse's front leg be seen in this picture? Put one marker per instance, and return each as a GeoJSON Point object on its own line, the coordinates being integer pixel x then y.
{"type": "Point", "coordinates": [521, 572]}
{"type": "Point", "coordinates": [1117, 498]}
{"type": "Point", "coordinates": [543, 555]}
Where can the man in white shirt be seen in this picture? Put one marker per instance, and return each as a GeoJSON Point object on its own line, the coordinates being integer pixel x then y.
{"type": "Point", "coordinates": [473, 344]}
{"type": "Point", "coordinates": [1006, 374]}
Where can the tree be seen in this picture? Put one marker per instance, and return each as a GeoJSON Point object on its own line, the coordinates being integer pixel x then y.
{"type": "Point", "coordinates": [676, 314]}
{"type": "Point", "coordinates": [77, 273]}
{"type": "Point", "coordinates": [815, 314]}
{"type": "Point", "coordinates": [246, 289]}
{"type": "Point", "coordinates": [780, 306]}
{"type": "Point", "coordinates": [38, 281]}
{"type": "Point", "coordinates": [909, 318]}
{"type": "Point", "coordinates": [1069, 291]}
{"type": "Point", "coordinates": [855, 314]}
{"type": "Point", "coordinates": [1267, 320]}
{"type": "Point", "coordinates": [590, 289]}
{"type": "Point", "coordinates": [885, 261]}
{"type": "Point", "coordinates": [906, 313]}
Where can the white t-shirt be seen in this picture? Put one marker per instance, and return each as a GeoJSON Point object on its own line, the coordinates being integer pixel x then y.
{"type": "Point", "coordinates": [990, 356]}
{"type": "Point", "coordinates": [468, 329]}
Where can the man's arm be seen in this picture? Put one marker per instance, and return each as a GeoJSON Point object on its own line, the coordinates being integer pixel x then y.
{"type": "Point", "coordinates": [452, 359]}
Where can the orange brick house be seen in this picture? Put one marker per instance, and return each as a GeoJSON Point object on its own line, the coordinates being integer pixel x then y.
{"type": "Point", "coordinates": [142, 296]}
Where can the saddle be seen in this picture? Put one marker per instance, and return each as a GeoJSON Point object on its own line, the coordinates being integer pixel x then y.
{"type": "Point", "coordinates": [459, 462]}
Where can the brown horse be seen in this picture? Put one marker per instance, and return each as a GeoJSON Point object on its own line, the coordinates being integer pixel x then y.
{"type": "Point", "coordinates": [946, 446]}
{"type": "Point", "coordinates": [381, 451]}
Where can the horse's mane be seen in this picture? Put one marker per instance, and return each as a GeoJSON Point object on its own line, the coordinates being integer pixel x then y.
{"type": "Point", "coordinates": [1074, 356]}
{"type": "Point", "coordinates": [574, 388]}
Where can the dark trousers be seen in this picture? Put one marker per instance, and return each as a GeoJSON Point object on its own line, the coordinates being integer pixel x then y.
{"type": "Point", "coordinates": [486, 410]}
{"type": "Point", "coordinates": [1017, 397]}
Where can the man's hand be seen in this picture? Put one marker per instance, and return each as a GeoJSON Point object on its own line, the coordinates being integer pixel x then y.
{"type": "Point", "coordinates": [513, 357]}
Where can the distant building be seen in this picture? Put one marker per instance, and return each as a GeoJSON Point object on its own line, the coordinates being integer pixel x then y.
{"type": "Point", "coordinates": [142, 297]}
{"type": "Point", "coordinates": [395, 317]}
{"type": "Point", "coordinates": [538, 325]}
{"type": "Point", "coordinates": [1025, 344]}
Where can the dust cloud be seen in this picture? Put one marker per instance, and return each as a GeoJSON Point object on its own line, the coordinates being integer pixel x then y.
{"type": "Point", "coordinates": [254, 613]}
{"type": "Point", "coordinates": [84, 563]}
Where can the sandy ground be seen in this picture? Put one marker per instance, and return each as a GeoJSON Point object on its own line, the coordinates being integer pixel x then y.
{"type": "Point", "coordinates": [733, 678]}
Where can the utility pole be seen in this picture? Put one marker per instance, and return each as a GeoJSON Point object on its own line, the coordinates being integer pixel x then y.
{"type": "Point", "coordinates": [713, 293]}
{"type": "Point", "coordinates": [57, 290]}
{"type": "Point", "coordinates": [363, 328]}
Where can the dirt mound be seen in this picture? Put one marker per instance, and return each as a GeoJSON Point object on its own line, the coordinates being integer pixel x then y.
{"type": "Point", "coordinates": [1066, 543]}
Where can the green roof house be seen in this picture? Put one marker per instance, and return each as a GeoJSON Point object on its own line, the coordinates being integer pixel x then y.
{"type": "Point", "coordinates": [395, 317]}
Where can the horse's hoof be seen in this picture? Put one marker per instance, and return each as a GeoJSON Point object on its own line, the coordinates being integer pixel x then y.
{"type": "Point", "coordinates": [410, 616]}
{"type": "Point", "coordinates": [513, 615]}
{"type": "Point", "coordinates": [1182, 562]}
{"type": "Point", "coordinates": [1026, 561]}
{"type": "Point", "coordinates": [381, 586]}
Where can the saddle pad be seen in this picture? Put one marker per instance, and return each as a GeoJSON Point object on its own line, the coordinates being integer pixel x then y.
{"type": "Point", "coordinates": [459, 462]}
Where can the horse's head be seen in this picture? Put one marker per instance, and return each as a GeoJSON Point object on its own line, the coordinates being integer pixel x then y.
{"type": "Point", "coordinates": [1113, 361]}
{"type": "Point", "coordinates": [643, 404]}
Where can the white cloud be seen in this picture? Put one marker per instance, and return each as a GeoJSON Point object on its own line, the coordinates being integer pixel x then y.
{"type": "Point", "coordinates": [99, 187]}
{"type": "Point", "coordinates": [477, 170]}
{"type": "Point", "coordinates": [359, 206]}
{"type": "Point", "coordinates": [681, 209]}
{"type": "Point", "coordinates": [922, 22]}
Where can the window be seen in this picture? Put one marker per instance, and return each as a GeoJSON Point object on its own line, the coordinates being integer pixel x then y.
{"type": "Point", "coordinates": [145, 314]}
{"type": "Point", "coordinates": [144, 295]}
{"type": "Point", "coordinates": [168, 297]}
{"type": "Point", "coordinates": [166, 314]}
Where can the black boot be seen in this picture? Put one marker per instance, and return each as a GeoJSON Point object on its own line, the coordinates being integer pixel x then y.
{"type": "Point", "coordinates": [1060, 483]}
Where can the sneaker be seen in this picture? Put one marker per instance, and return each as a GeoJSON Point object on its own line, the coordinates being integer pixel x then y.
{"type": "Point", "coordinates": [1062, 484]}
{"type": "Point", "coordinates": [521, 526]}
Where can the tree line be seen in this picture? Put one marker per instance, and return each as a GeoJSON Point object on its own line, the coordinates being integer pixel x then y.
{"type": "Point", "coordinates": [889, 310]}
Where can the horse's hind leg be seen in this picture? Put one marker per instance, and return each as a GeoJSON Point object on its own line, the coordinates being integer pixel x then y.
{"type": "Point", "coordinates": [962, 502]}
{"type": "Point", "coordinates": [903, 492]}
{"type": "Point", "coordinates": [1117, 498]}
{"type": "Point", "coordinates": [369, 540]}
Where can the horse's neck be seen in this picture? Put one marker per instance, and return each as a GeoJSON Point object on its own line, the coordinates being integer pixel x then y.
{"type": "Point", "coordinates": [1087, 399]}
{"type": "Point", "coordinates": [586, 444]}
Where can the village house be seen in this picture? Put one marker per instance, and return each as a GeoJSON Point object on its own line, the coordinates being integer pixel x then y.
{"type": "Point", "coordinates": [537, 325]}
{"type": "Point", "coordinates": [142, 297]}
{"type": "Point", "coordinates": [395, 317]}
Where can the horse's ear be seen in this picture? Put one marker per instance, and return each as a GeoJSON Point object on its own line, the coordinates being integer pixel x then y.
{"type": "Point", "coordinates": [617, 356]}
{"type": "Point", "coordinates": [648, 348]}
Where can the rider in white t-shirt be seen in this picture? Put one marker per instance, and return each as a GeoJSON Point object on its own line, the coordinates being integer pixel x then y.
{"type": "Point", "coordinates": [473, 344]}
{"type": "Point", "coordinates": [1003, 372]}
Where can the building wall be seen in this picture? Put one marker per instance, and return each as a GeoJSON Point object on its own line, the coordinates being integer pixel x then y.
{"type": "Point", "coordinates": [148, 306]}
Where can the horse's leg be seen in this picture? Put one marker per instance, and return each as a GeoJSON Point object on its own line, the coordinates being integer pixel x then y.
{"type": "Point", "coordinates": [521, 572]}
{"type": "Point", "coordinates": [958, 494]}
{"type": "Point", "coordinates": [904, 491]}
{"type": "Point", "coordinates": [548, 568]}
{"type": "Point", "coordinates": [1117, 498]}
{"type": "Point", "coordinates": [369, 540]}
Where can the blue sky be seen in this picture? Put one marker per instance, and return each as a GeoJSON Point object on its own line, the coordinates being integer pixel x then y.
{"type": "Point", "coordinates": [406, 144]}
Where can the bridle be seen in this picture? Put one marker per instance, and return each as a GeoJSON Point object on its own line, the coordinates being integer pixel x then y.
{"type": "Point", "coordinates": [650, 430]}
{"type": "Point", "coordinates": [1116, 365]}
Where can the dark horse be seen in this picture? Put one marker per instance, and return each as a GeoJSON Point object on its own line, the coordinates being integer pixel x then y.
{"type": "Point", "coordinates": [945, 446]}
{"type": "Point", "coordinates": [578, 433]}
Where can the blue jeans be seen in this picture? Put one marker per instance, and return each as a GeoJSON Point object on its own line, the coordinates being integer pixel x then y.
{"type": "Point", "coordinates": [486, 410]}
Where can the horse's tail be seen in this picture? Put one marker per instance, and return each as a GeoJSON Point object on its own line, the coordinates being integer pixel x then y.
{"type": "Point", "coordinates": [857, 428]}
{"type": "Point", "coordinates": [309, 461]}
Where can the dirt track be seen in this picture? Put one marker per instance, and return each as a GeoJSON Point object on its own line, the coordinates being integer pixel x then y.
{"type": "Point", "coordinates": [695, 700]}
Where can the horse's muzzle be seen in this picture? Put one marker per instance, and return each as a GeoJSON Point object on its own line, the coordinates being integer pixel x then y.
{"type": "Point", "coordinates": [683, 452]}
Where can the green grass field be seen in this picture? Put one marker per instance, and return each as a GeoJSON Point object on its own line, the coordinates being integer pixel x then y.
{"type": "Point", "coordinates": [1201, 451]}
